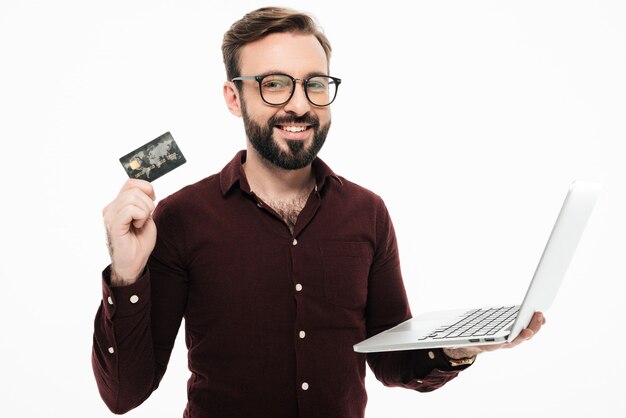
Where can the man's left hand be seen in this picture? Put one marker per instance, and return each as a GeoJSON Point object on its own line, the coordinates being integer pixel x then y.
{"type": "Point", "coordinates": [533, 328]}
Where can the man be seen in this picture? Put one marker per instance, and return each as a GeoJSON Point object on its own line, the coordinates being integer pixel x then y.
{"type": "Point", "coordinates": [277, 264]}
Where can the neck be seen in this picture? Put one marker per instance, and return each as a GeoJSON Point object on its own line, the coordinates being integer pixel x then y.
{"type": "Point", "coordinates": [266, 179]}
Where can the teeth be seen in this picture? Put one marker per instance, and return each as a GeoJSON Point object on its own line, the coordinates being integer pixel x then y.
{"type": "Point", "coordinates": [294, 128]}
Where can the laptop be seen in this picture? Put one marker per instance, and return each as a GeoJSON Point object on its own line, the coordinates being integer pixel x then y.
{"type": "Point", "coordinates": [498, 324]}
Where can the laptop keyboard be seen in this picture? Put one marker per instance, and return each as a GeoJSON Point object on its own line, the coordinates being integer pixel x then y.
{"type": "Point", "coordinates": [477, 322]}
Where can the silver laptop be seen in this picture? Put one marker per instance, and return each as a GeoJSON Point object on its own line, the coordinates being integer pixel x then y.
{"type": "Point", "coordinates": [498, 324]}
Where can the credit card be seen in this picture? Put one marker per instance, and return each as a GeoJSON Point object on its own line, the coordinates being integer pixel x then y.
{"type": "Point", "coordinates": [154, 159]}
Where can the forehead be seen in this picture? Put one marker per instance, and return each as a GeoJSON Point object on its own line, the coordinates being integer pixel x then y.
{"type": "Point", "coordinates": [292, 53]}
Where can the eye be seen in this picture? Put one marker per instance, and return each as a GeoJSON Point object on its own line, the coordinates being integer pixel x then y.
{"type": "Point", "coordinates": [276, 82]}
{"type": "Point", "coordinates": [318, 84]}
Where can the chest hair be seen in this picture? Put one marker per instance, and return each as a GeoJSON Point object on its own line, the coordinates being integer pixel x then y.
{"type": "Point", "coordinates": [288, 210]}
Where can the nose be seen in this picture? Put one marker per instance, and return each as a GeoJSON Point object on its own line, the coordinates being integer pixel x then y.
{"type": "Point", "coordinates": [299, 104]}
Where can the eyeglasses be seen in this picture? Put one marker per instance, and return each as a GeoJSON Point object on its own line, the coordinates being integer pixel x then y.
{"type": "Point", "coordinates": [278, 89]}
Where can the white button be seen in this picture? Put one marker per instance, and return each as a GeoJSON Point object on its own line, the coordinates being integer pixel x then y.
{"type": "Point", "coordinates": [298, 287]}
{"type": "Point", "coordinates": [431, 355]}
{"type": "Point", "coordinates": [259, 205]}
{"type": "Point", "coordinates": [110, 300]}
{"type": "Point", "coordinates": [302, 334]}
{"type": "Point", "coordinates": [305, 386]}
{"type": "Point", "coordinates": [295, 242]}
{"type": "Point", "coordinates": [134, 299]}
{"type": "Point", "coordinates": [111, 350]}
{"type": "Point", "coordinates": [419, 381]}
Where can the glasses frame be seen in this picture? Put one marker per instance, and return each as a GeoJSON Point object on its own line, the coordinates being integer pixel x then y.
{"type": "Point", "coordinates": [259, 79]}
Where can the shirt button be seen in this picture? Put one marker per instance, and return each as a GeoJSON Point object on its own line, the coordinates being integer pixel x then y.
{"type": "Point", "coordinates": [305, 386]}
{"type": "Point", "coordinates": [295, 242]}
{"type": "Point", "coordinates": [298, 287]}
{"type": "Point", "coordinates": [259, 204]}
{"type": "Point", "coordinates": [431, 355]}
{"type": "Point", "coordinates": [302, 334]}
{"type": "Point", "coordinates": [110, 300]}
{"type": "Point", "coordinates": [111, 350]}
{"type": "Point", "coordinates": [134, 299]}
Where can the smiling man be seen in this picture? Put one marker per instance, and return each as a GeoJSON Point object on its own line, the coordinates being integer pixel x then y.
{"type": "Point", "coordinates": [278, 265]}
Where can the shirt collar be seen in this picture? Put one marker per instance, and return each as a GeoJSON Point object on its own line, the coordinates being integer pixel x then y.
{"type": "Point", "coordinates": [233, 173]}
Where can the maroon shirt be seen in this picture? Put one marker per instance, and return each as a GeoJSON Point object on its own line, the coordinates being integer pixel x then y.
{"type": "Point", "coordinates": [270, 316]}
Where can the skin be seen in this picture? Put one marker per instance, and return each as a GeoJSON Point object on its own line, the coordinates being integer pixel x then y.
{"type": "Point", "coordinates": [533, 328]}
{"type": "Point", "coordinates": [299, 56]}
{"type": "Point", "coordinates": [131, 232]}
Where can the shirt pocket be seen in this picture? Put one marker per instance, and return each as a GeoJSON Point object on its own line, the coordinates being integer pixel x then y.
{"type": "Point", "coordinates": [346, 266]}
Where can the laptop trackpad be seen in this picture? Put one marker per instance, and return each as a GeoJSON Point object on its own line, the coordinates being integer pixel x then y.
{"type": "Point", "coordinates": [429, 321]}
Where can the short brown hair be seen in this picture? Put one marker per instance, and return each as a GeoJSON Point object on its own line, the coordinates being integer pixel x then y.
{"type": "Point", "coordinates": [261, 22]}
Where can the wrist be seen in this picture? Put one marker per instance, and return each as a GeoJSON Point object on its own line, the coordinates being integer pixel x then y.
{"type": "Point", "coordinates": [458, 353]}
{"type": "Point", "coordinates": [118, 280]}
{"type": "Point", "coordinates": [459, 356]}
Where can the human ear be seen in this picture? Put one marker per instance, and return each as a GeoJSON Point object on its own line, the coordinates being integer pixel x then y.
{"type": "Point", "coordinates": [232, 99]}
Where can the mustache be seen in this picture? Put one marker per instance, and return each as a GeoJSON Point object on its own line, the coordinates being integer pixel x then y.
{"type": "Point", "coordinates": [307, 118]}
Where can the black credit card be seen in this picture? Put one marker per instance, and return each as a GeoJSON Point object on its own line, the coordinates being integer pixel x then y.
{"type": "Point", "coordinates": [154, 159]}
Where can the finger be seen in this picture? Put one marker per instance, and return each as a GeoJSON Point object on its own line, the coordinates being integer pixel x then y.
{"type": "Point", "coordinates": [140, 223]}
{"type": "Point", "coordinates": [525, 335]}
{"type": "Point", "coordinates": [533, 327]}
{"type": "Point", "coordinates": [132, 190]}
{"type": "Point", "coordinates": [139, 198]}
{"type": "Point", "coordinates": [493, 347]}
{"type": "Point", "coordinates": [536, 322]}
{"type": "Point", "coordinates": [540, 318]}
{"type": "Point", "coordinates": [106, 210]}
{"type": "Point", "coordinates": [131, 214]}
{"type": "Point", "coordinates": [118, 216]}
{"type": "Point", "coordinates": [130, 197]}
{"type": "Point", "coordinates": [142, 185]}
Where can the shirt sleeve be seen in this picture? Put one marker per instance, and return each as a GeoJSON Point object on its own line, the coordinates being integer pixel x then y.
{"type": "Point", "coordinates": [387, 306]}
{"type": "Point", "coordinates": [129, 354]}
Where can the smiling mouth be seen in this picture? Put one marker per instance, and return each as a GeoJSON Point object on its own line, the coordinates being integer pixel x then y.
{"type": "Point", "coordinates": [293, 128]}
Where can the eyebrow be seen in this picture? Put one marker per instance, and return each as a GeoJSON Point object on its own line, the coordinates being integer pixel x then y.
{"type": "Point", "coordinates": [307, 75]}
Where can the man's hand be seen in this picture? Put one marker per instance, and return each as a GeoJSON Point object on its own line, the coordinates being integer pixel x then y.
{"type": "Point", "coordinates": [527, 333]}
{"type": "Point", "coordinates": [131, 232]}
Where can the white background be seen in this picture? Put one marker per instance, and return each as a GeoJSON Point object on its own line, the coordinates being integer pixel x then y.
{"type": "Point", "coordinates": [469, 118]}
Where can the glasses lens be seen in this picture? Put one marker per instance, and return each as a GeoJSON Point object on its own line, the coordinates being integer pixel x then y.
{"type": "Point", "coordinates": [276, 88]}
{"type": "Point", "coordinates": [321, 90]}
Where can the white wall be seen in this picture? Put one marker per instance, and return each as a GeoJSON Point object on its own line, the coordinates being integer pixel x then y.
{"type": "Point", "coordinates": [469, 118]}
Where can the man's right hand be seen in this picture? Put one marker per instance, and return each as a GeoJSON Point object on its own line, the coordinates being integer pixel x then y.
{"type": "Point", "coordinates": [131, 232]}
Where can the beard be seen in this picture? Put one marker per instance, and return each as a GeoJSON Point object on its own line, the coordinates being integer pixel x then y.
{"type": "Point", "coordinates": [298, 156]}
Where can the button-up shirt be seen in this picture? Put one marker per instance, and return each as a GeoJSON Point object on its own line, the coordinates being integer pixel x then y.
{"type": "Point", "coordinates": [271, 315]}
